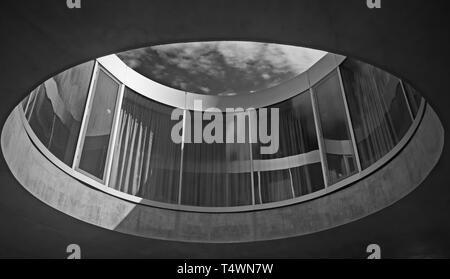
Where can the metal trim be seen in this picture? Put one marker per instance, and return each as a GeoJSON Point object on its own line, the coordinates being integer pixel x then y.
{"type": "Point", "coordinates": [114, 133]}
{"type": "Point", "coordinates": [408, 104]}
{"type": "Point", "coordinates": [85, 114]}
{"type": "Point", "coordinates": [349, 120]}
{"type": "Point", "coordinates": [82, 134]}
{"type": "Point", "coordinates": [319, 138]}
{"type": "Point", "coordinates": [184, 100]}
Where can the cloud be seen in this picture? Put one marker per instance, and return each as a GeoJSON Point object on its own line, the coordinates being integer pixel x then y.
{"type": "Point", "coordinates": [221, 67]}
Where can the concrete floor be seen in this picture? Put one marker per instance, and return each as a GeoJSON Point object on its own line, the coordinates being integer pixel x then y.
{"type": "Point", "coordinates": [407, 38]}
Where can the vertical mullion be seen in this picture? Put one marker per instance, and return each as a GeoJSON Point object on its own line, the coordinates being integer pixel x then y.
{"type": "Point", "coordinates": [180, 181]}
{"type": "Point", "coordinates": [319, 138]}
{"type": "Point", "coordinates": [292, 183]}
{"type": "Point", "coordinates": [251, 155]}
{"type": "Point", "coordinates": [28, 102]}
{"type": "Point", "coordinates": [349, 120]}
{"type": "Point", "coordinates": [35, 96]}
{"type": "Point", "coordinates": [259, 188]}
{"type": "Point", "coordinates": [86, 113]}
{"type": "Point", "coordinates": [115, 130]}
{"type": "Point", "coordinates": [49, 144]}
{"type": "Point", "coordinates": [408, 104]}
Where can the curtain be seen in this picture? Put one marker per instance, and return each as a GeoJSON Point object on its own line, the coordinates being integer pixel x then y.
{"type": "Point", "coordinates": [217, 174]}
{"type": "Point", "coordinates": [307, 179]}
{"type": "Point", "coordinates": [276, 185]}
{"type": "Point", "coordinates": [297, 131]}
{"type": "Point", "coordinates": [146, 162]}
{"type": "Point", "coordinates": [377, 107]}
{"type": "Point", "coordinates": [340, 159]}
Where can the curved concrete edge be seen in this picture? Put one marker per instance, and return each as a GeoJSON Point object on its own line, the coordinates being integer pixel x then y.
{"type": "Point", "coordinates": [185, 100]}
{"type": "Point", "coordinates": [384, 187]}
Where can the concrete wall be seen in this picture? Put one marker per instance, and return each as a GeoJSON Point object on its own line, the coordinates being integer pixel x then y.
{"type": "Point", "coordinates": [384, 187]}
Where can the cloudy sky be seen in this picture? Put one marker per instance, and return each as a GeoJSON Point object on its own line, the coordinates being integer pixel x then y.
{"type": "Point", "coordinates": [221, 68]}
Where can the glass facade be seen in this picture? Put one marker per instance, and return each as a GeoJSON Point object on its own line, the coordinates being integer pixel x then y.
{"type": "Point", "coordinates": [146, 163]}
{"type": "Point", "coordinates": [338, 147]}
{"type": "Point", "coordinates": [378, 109]}
{"type": "Point", "coordinates": [96, 138]}
{"type": "Point", "coordinates": [296, 127]}
{"type": "Point", "coordinates": [217, 174]}
{"type": "Point", "coordinates": [55, 110]}
{"type": "Point", "coordinates": [307, 179]}
{"type": "Point", "coordinates": [414, 98]}
{"type": "Point", "coordinates": [276, 185]}
{"type": "Point", "coordinates": [121, 139]}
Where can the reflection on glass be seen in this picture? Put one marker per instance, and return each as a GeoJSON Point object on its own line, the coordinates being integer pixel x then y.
{"type": "Point", "coordinates": [146, 162]}
{"type": "Point", "coordinates": [414, 98]}
{"type": "Point", "coordinates": [307, 179]}
{"type": "Point", "coordinates": [297, 132]}
{"type": "Point", "coordinates": [97, 136]}
{"type": "Point", "coordinates": [276, 185]}
{"type": "Point", "coordinates": [55, 110]}
{"type": "Point", "coordinates": [257, 187]}
{"type": "Point", "coordinates": [378, 109]}
{"type": "Point", "coordinates": [279, 185]}
{"type": "Point", "coordinates": [217, 174]}
{"type": "Point", "coordinates": [338, 147]}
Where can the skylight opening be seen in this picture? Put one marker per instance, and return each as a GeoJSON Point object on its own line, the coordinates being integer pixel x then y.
{"type": "Point", "coordinates": [224, 68]}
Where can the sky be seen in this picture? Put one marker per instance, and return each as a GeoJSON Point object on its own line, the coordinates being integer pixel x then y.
{"type": "Point", "coordinates": [221, 68]}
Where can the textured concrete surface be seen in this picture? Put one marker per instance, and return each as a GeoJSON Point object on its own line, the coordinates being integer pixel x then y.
{"type": "Point", "coordinates": [376, 191]}
{"type": "Point", "coordinates": [407, 38]}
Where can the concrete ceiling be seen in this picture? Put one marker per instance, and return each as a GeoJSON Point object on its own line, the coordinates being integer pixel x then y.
{"type": "Point", "coordinates": [407, 38]}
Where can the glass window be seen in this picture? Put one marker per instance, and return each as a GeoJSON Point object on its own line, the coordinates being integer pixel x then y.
{"type": "Point", "coordinates": [414, 98]}
{"type": "Point", "coordinates": [256, 187]}
{"type": "Point", "coordinates": [217, 174]}
{"type": "Point", "coordinates": [96, 139]}
{"type": "Point", "coordinates": [55, 110]}
{"type": "Point", "coordinates": [146, 161]}
{"type": "Point", "coordinates": [307, 179]}
{"type": "Point", "coordinates": [378, 109]}
{"type": "Point", "coordinates": [276, 185]}
{"type": "Point", "coordinates": [338, 146]}
{"type": "Point", "coordinates": [216, 189]}
{"type": "Point", "coordinates": [25, 102]}
{"type": "Point", "coordinates": [297, 132]}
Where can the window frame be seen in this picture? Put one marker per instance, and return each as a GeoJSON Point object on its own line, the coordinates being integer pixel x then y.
{"type": "Point", "coordinates": [103, 184]}
{"type": "Point", "coordinates": [85, 122]}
